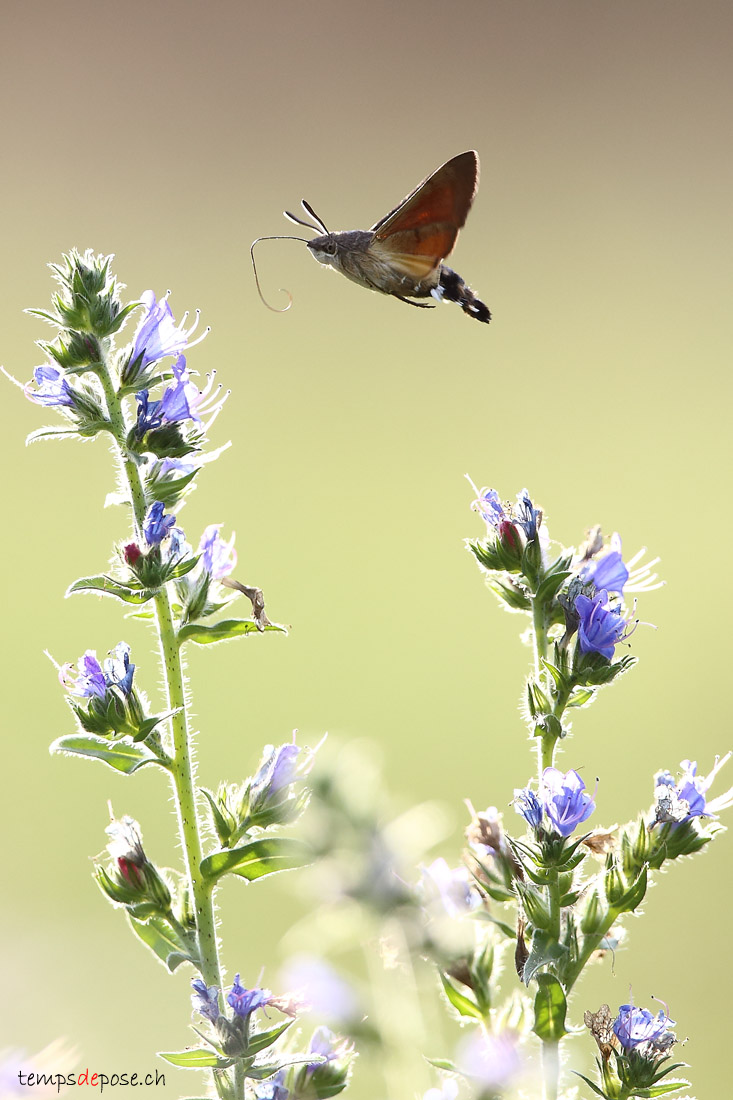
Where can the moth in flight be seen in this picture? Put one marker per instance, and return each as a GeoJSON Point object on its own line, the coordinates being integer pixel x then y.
{"type": "Point", "coordinates": [403, 253]}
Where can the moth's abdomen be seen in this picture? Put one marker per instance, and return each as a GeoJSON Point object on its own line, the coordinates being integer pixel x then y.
{"type": "Point", "coordinates": [452, 288]}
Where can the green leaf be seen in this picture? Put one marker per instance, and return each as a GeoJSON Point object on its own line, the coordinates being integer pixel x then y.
{"type": "Point", "coordinates": [108, 586]}
{"type": "Point", "coordinates": [261, 1073]}
{"type": "Point", "coordinates": [162, 940]}
{"type": "Point", "coordinates": [661, 1089]}
{"type": "Point", "coordinates": [443, 1063]}
{"type": "Point", "coordinates": [551, 585]}
{"type": "Point", "coordinates": [168, 492]}
{"type": "Point", "coordinates": [555, 672]}
{"type": "Point", "coordinates": [117, 321]}
{"type": "Point", "coordinates": [580, 697]}
{"type": "Point", "coordinates": [550, 1007]}
{"type": "Point", "coordinates": [222, 826]}
{"type": "Point", "coordinates": [504, 928]}
{"type": "Point", "coordinates": [147, 727]}
{"type": "Point", "coordinates": [258, 858]}
{"type": "Point", "coordinates": [222, 631]}
{"type": "Point", "coordinates": [589, 1083]}
{"type": "Point", "coordinates": [544, 950]}
{"type": "Point", "coordinates": [634, 895]}
{"type": "Point", "coordinates": [119, 755]}
{"type": "Point", "coordinates": [50, 433]}
{"type": "Point", "coordinates": [182, 568]}
{"type": "Point", "coordinates": [262, 1039]}
{"type": "Point", "coordinates": [199, 1058]}
{"type": "Point", "coordinates": [464, 1005]}
{"type": "Point", "coordinates": [510, 593]}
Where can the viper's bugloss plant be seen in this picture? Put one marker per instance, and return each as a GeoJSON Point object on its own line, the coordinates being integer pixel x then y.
{"type": "Point", "coordinates": [554, 898]}
{"type": "Point", "coordinates": [141, 396]}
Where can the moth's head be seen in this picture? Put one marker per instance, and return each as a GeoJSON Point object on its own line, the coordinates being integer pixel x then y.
{"type": "Point", "coordinates": [324, 248]}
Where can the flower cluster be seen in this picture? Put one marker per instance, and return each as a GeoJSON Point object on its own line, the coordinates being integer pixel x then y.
{"type": "Point", "coordinates": [113, 707]}
{"type": "Point", "coordinates": [275, 795]}
{"type": "Point", "coordinates": [634, 1051]}
{"type": "Point", "coordinates": [561, 803]}
{"type": "Point", "coordinates": [678, 801]}
{"type": "Point", "coordinates": [321, 1072]}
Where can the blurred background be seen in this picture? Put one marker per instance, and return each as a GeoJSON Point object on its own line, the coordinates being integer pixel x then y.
{"type": "Point", "coordinates": [172, 134]}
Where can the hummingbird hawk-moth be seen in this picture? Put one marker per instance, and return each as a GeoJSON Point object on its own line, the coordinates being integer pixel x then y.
{"type": "Point", "coordinates": [403, 253]}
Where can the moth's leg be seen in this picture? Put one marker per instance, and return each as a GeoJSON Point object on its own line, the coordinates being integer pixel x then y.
{"type": "Point", "coordinates": [418, 305]}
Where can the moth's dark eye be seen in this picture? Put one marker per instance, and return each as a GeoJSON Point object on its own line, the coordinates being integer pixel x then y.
{"type": "Point", "coordinates": [330, 248]}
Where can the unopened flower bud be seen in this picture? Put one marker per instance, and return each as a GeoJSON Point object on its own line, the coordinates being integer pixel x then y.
{"type": "Point", "coordinates": [594, 914]}
{"type": "Point", "coordinates": [131, 879]}
{"type": "Point", "coordinates": [614, 882]}
{"type": "Point", "coordinates": [131, 553]}
{"type": "Point", "coordinates": [534, 906]}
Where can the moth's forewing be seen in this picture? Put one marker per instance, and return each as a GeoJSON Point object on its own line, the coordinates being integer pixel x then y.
{"type": "Point", "coordinates": [444, 197]}
{"type": "Point", "coordinates": [422, 230]}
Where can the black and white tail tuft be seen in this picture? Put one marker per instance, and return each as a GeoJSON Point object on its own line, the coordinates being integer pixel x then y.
{"type": "Point", "coordinates": [454, 289]}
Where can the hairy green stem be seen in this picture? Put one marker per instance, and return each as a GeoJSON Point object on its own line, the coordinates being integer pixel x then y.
{"type": "Point", "coordinates": [553, 897]}
{"type": "Point", "coordinates": [239, 1080]}
{"type": "Point", "coordinates": [539, 630]}
{"type": "Point", "coordinates": [550, 1069]}
{"type": "Point", "coordinates": [546, 752]}
{"type": "Point", "coordinates": [180, 767]}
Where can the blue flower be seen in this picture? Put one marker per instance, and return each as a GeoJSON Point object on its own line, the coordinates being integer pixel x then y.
{"type": "Point", "coordinates": [277, 771]}
{"type": "Point", "coordinates": [156, 525]}
{"type": "Point", "coordinates": [273, 1088]}
{"type": "Point", "coordinates": [325, 1044]}
{"type": "Point", "coordinates": [175, 404]}
{"type": "Point", "coordinates": [118, 670]}
{"type": "Point", "coordinates": [492, 1060]}
{"type": "Point", "coordinates": [92, 681]}
{"type": "Point", "coordinates": [528, 517]}
{"type": "Point", "coordinates": [634, 1026]}
{"type": "Point", "coordinates": [489, 506]}
{"type": "Point", "coordinates": [607, 572]}
{"type": "Point", "coordinates": [205, 999]}
{"type": "Point", "coordinates": [174, 468]}
{"type": "Point", "coordinates": [448, 1090]}
{"type": "Point", "coordinates": [601, 628]}
{"type": "Point", "coordinates": [52, 387]}
{"type": "Point", "coordinates": [612, 573]}
{"type": "Point", "coordinates": [89, 681]}
{"type": "Point", "coordinates": [158, 335]}
{"type": "Point", "coordinates": [452, 886]}
{"type": "Point", "coordinates": [245, 1001]}
{"type": "Point", "coordinates": [566, 801]}
{"type": "Point", "coordinates": [218, 557]}
{"type": "Point", "coordinates": [529, 806]}
{"type": "Point", "coordinates": [182, 400]}
{"type": "Point", "coordinates": [319, 988]}
{"type": "Point", "coordinates": [330, 1065]}
{"type": "Point", "coordinates": [682, 800]}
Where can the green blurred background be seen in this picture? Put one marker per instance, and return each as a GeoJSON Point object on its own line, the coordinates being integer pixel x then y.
{"type": "Point", "coordinates": [172, 134]}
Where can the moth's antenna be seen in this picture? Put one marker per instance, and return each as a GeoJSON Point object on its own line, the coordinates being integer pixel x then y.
{"type": "Point", "coordinates": [257, 280]}
{"type": "Point", "coordinates": [309, 210]}
{"type": "Point", "coordinates": [299, 221]}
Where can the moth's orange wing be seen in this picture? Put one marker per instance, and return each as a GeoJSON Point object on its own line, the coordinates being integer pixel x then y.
{"type": "Point", "coordinates": [422, 230]}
